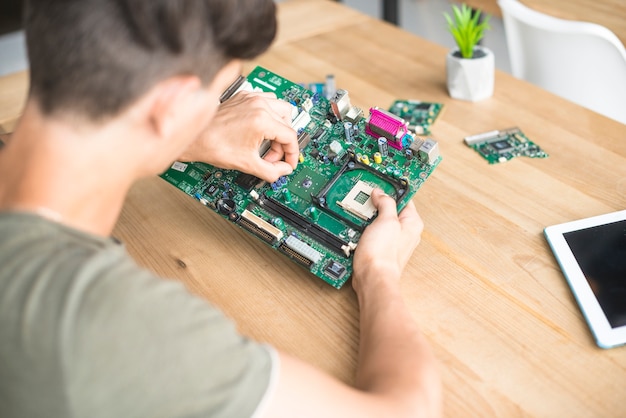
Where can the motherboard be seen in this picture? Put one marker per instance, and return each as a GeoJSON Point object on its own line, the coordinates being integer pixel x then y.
{"type": "Point", "coordinates": [420, 115]}
{"type": "Point", "coordinates": [316, 215]}
{"type": "Point", "coordinates": [501, 146]}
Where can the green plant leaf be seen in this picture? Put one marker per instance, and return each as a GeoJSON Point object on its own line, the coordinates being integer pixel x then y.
{"type": "Point", "coordinates": [466, 28]}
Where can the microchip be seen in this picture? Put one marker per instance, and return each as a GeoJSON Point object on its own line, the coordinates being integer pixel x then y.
{"type": "Point", "coordinates": [246, 181]}
{"type": "Point", "coordinates": [501, 146]}
{"type": "Point", "coordinates": [211, 190]}
{"type": "Point", "coordinates": [318, 133]}
{"type": "Point", "coordinates": [335, 270]}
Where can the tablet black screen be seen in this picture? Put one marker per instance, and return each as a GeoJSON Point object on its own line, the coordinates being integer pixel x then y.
{"type": "Point", "coordinates": [601, 255]}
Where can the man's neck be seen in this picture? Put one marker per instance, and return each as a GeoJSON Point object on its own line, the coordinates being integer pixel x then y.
{"type": "Point", "coordinates": [64, 174]}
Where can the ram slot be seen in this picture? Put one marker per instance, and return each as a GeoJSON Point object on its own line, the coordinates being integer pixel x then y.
{"type": "Point", "coordinates": [303, 225]}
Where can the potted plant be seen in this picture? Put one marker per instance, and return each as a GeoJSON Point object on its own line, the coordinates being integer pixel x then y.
{"type": "Point", "coordinates": [470, 67]}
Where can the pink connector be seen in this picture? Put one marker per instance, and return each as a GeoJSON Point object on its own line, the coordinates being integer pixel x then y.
{"type": "Point", "coordinates": [385, 124]}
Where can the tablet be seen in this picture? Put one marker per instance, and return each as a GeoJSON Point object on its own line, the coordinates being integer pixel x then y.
{"type": "Point", "coordinates": [592, 255]}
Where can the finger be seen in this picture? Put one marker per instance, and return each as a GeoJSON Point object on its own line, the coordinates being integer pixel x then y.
{"type": "Point", "coordinates": [287, 152]}
{"type": "Point", "coordinates": [385, 204]}
{"type": "Point", "coordinates": [409, 211]}
{"type": "Point", "coordinates": [270, 171]}
{"type": "Point", "coordinates": [243, 94]}
{"type": "Point", "coordinates": [273, 155]}
{"type": "Point", "coordinates": [278, 109]}
{"type": "Point", "coordinates": [278, 154]}
{"type": "Point", "coordinates": [284, 142]}
{"type": "Point", "coordinates": [410, 219]}
{"type": "Point", "coordinates": [281, 109]}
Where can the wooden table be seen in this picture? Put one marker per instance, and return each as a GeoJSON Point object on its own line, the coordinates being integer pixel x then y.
{"type": "Point", "coordinates": [608, 13]}
{"type": "Point", "coordinates": [483, 284]}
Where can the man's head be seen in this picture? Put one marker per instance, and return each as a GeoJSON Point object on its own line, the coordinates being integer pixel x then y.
{"type": "Point", "coordinates": [94, 58]}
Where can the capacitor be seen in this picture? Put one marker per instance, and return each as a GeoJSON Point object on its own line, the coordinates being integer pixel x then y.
{"type": "Point", "coordinates": [314, 213]}
{"type": "Point", "coordinates": [349, 132]}
{"type": "Point", "coordinates": [301, 158]}
{"type": "Point", "coordinates": [383, 148]}
{"type": "Point", "coordinates": [378, 158]}
{"type": "Point", "coordinates": [365, 160]}
{"type": "Point", "coordinates": [287, 195]}
{"type": "Point", "coordinates": [408, 154]}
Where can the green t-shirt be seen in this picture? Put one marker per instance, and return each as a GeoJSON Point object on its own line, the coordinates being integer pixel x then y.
{"type": "Point", "coordinates": [85, 332]}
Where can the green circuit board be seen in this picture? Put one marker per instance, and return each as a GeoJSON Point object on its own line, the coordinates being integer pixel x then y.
{"type": "Point", "coordinates": [316, 215]}
{"type": "Point", "coordinates": [502, 146]}
{"type": "Point", "coordinates": [420, 115]}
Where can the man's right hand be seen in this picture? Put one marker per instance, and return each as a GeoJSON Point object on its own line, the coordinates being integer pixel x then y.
{"type": "Point", "coordinates": [387, 244]}
{"type": "Point", "coordinates": [397, 373]}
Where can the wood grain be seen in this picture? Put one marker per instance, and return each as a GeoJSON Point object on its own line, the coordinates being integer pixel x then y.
{"type": "Point", "coordinates": [483, 283]}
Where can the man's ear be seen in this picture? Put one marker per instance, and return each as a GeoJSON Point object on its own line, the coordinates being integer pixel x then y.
{"type": "Point", "coordinates": [171, 99]}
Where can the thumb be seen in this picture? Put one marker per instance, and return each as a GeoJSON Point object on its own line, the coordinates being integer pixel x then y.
{"type": "Point", "coordinates": [385, 204]}
{"type": "Point", "coordinates": [270, 171]}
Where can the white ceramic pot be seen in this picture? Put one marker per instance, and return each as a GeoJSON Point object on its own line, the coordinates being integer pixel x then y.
{"type": "Point", "coordinates": [470, 78]}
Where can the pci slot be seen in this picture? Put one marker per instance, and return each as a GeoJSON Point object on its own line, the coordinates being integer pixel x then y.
{"type": "Point", "coordinates": [259, 227]}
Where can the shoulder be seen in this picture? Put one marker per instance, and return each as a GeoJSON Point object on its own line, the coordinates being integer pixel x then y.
{"type": "Point", "coordinates": [129, 343]}
{"type": "Point", "coordinates": [150, 339]}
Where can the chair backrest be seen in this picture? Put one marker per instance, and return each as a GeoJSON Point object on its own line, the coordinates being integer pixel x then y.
{"type": "Point", "coordinates": [582, 62]}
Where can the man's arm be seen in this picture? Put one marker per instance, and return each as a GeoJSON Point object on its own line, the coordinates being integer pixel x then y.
{"type": "Point", "coordinates": [4, 139]}
{"type": "Point", "coordinates": [235, 134]}
{"type": "Point", "coordinates": [397, 374]}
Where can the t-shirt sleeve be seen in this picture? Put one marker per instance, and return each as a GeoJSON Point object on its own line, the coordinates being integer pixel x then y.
{"type": "Point", "coordinates": [136, 345]}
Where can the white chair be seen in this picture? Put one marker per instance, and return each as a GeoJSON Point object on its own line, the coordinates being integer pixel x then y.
{"type": "Point", "coordinates": [582, 62]}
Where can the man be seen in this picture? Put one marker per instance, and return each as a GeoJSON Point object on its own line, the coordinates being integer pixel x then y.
{"type": "Point", "coordinates": [119, 89]}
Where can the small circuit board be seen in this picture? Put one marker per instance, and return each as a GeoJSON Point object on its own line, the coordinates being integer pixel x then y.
{"type": "Point", "coordinates": [316, 215]}
{"type": "Point", "coordinates": [419, 115]}
{"type": "Point", "coordinates": [502, 146]}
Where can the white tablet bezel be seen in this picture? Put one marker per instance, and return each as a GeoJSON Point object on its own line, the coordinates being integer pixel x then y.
{"type": "Point", "coordinates": [605, 335]}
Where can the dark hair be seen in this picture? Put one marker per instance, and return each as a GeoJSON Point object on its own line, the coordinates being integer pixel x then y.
{"type": "Point", "coordinates": [96, 57]}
